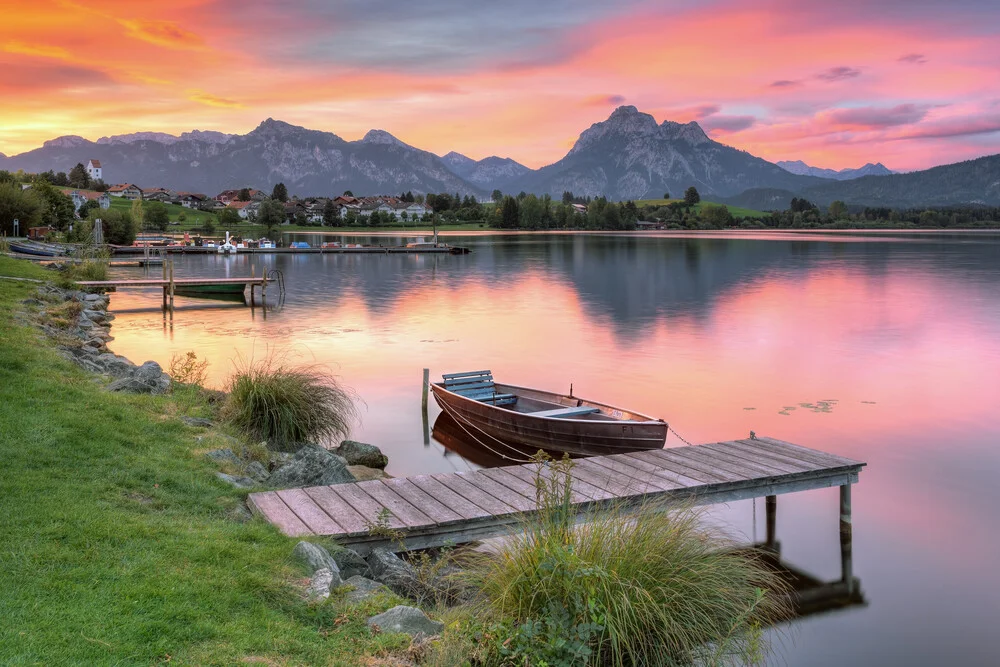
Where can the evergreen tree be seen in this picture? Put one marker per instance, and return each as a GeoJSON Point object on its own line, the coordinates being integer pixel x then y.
{"type": "Point", "coordinates": [691, 196]}
{"type": "Point", "coordinates": [244, 194]}
{"type": "Point", "coordinates": [78, 177]}
{"type": "Point", "coordinates": [280, 192]}
{"type": "Point", "coordinates": [331, 215]}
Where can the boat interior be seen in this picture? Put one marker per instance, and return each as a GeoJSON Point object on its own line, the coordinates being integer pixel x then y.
{"type": "Point", "coordinates": [480, 386]}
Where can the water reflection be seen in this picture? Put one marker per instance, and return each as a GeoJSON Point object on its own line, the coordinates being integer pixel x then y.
{"type": "Point", "coordinates": [903, 334]}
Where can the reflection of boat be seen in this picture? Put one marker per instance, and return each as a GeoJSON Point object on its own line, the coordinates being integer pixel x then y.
{"type": "Point", "coordinates": [462, 441]}
{"type": "Point", "coordinates": [545, 420]}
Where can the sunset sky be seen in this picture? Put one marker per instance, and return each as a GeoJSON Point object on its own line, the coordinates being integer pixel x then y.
{"type": "Point", "coordinates": [910, 83]}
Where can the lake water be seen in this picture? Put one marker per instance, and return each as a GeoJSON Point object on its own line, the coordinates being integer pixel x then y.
{"type": "Point", "coordinates": [716, 334]}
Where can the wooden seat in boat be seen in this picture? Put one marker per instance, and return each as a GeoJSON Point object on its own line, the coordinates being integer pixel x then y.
{"type": "Point", "coordinates": [477, 385]}
{"type": "Point", "coordinates": [565, 412]}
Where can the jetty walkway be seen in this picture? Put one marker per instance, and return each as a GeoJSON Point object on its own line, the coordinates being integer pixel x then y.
{"type": "Point", "coordinates": [453, 508]}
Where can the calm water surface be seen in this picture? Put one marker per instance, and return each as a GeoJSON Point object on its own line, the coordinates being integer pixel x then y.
{"type": "Point", "coordinates": [717, 335]}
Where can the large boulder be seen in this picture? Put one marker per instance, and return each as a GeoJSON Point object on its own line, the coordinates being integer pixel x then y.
{"type": "Point", "coordinates": [365, 474]}
{"type": "Point", "coordinates": [114, 365]}
{"type": "Point", "coordinates": [350, 563]}
{"type": "Point", "coordinates": [147, 379]}
{"type": "Point", "coordinates": [314, 557]}
{"type": "Point", "coordinates": [237, 481]}
{"type": "Point", "coordinates": [311, 466]}
{"type": "Point", "coordinates": [362, 589]}
{"type": "Point", "coordinates": [391, 570]}
{"type": "Point", "coordinates": [361, 454]}
{"type": "Point", "coordinates": [320, 584]}
{"type": "Point", "coordinates": [407, 620]}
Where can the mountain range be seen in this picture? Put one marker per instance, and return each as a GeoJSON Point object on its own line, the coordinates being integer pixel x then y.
{"type": "Point", "coordinates": [802, 169]}
{"type": "Point", "coordinates": [627, 156]}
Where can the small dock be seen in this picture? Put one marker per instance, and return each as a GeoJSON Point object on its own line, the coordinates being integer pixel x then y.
{"type": "Point", "coordinates": [454, 508]}
{"type": "Point", "coordinates": [205, 287]}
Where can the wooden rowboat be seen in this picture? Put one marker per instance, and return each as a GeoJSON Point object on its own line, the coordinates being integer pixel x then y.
{"type": "Point", "coordinates": [495, 413]}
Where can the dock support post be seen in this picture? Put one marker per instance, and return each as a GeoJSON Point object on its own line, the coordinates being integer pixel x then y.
{"type": "Point", "coordinates": [253, 275]}
{"type": "Point", "coordinates": [423, 391]}
{"type": "Point", "coordinates": [771, 510]}
{"type": "Point", "coordinates": [164, 284]}
{"type": "Point", "coordinates": [846, 560]}
{"type": "Point", "coordinates": [171, 285]}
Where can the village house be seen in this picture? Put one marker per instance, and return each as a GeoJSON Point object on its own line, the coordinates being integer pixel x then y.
{"type": "Point", "coordinates": [80, 197]}
{"type": "Point", "coordinates": [94, 170]}
{"type": "Point", "coordinates": [126, 190]}
{"type": "Point", "coordinates": [246, 209]}
{"type": "Point", "coordinates": [190, 199]}
{"type": "Point", "coordinates": [158, 194]}
{"type": "Point", "coordinates": [229, 196]}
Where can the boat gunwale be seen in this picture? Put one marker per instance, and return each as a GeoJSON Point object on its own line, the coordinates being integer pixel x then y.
{"type": "Point", "coordinates": [649, 421]}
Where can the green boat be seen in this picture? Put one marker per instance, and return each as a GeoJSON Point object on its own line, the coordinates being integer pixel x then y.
{"type": "Point", "coordinates": [226, 292]}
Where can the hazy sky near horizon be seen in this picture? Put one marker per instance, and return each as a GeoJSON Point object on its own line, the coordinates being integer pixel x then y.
{"type": "Point", "coordinates": [910, 83]}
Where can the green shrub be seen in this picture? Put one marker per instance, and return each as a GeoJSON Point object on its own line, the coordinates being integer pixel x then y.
{"type": "Point", "coordinates": [630, 586]}
{"type": "Point", "coordinates": [286, 406]}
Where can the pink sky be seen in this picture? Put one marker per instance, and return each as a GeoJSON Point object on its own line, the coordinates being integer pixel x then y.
{"type": "Point", "coordinates": [911, 84]}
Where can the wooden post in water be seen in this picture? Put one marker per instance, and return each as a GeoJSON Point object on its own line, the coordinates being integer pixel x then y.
{"type": "Point", "coordinates": [253, 274]}
{"type": "Point", "coordinates": [423, 394]}
{"type": "Point", "coordinates": [771, 510]}
{"type": "Point", "coordinates": [846, 560]}
{"type": "Point", "coordinates": [171, 285]}
{"type": "Point", "coordinates": [164, 283]}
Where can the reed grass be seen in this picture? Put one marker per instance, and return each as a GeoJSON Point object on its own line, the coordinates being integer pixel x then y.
{"type": "Point", "coordinates": [630, 586]}
{"type": "Point", "coordinates": [288, 406]}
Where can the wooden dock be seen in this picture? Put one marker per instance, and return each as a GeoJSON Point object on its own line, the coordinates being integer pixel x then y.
{"type": "Point", "coordinates": [171, 285]}
{"type": "Point", "coordinates": [453, 508]}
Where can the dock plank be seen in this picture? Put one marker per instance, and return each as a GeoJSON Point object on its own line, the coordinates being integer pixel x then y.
{"type": "Point", "coordinates": [427, 504]}
{"type": "Point", "coordinates": [365, 505]}
{"type": "Point", "coordinates": [451, 508]}
{"type": "Point", "coordinates": [498, 491]}
{"type": "Point", "coordinates": [338, 508]}
{"type": "Point", "coordinates": [469, 491]}
{"type": "Point", "coordinates": [460, 504]}
{"type": "Point", "coordinates": [277, 512]}
{"type": "Point", "coordinates": [389, 499]}
{"type": "Point", "coordinates": [309, 512]}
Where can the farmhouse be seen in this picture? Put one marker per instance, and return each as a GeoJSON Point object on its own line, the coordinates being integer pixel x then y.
{"type": "Point", "coordinates": [126, 190]}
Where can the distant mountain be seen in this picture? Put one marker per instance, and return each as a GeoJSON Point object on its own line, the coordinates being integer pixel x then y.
{"type": "Point", "coordinates": [802, 169]}
{"type": "Point", "coordinates": [629, 156]}
{"type": "Point", "coordinates": [489, 173]}
{"type": "Point", "coordinates": [974, 182]}
{"type": "Point", "coordinates": [309, 162]}
{"type": "Point", "coordinates": [970, 182]}
{"type": "Point", "coordinates": [164, 138]}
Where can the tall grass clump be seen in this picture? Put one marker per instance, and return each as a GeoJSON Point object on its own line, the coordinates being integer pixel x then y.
{"type": "Point", "coordinates": [286, 406]}
{"type": "Point", "coordinates": [630, 586]}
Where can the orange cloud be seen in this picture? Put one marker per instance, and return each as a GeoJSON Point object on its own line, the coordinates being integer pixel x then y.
{"type": "Point", "coordinates": [213, 100]}
{"type": "Point", "coordinates": [41, 50]}
{"type": "Point", "coordinates": [163, 33]}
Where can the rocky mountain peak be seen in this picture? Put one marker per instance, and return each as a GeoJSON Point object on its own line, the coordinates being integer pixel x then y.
{"type": "Point", "coordinates": [207, 136]}
{"type": "Point", "coordinates": [275, 129]}
{"type": "Point", "coordinates": [381, 137]}
{"type": "Point", "coordinates": [69, 141]}
{"type": "Point", "coordinates": [625, 121]}
{"type": "Point", "coordinates": [690, 132]}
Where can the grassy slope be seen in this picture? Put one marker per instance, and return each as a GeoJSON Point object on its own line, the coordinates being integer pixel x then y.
{"type": "Point", "coordinates": [115, 547]}
{"type": "Point", "coordinates": [193, 217]}
{"type": "Point", "coordinates": [736, 211]}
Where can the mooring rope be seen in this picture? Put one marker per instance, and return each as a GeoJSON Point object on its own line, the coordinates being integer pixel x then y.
{"type": "Point", "coordinates": [679, 436]}
{"type": "Point", "coordinates": [459, 419]}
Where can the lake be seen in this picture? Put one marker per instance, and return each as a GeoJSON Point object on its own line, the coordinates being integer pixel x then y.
{"type": "Point", "coordinates": [898, 335]}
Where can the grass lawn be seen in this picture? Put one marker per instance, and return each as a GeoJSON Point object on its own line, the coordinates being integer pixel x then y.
{"type": "Point", "coordinates": [117, 545]}
{"type": "Point", "coordinates": [193, 217]}
{"type": "Point", "coordinates": [736, 211]}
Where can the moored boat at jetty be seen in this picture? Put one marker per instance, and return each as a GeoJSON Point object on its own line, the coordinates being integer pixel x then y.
{"type": "Point", "coordinates": [38, 249]}
{"type": "Point", "coordinates": [498, 414]}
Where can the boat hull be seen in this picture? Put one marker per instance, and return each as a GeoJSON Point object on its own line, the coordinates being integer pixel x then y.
{"type": "Point", "coordinates": [35, 251]}
{"type": "Point", "coordinates": [494, 425]}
